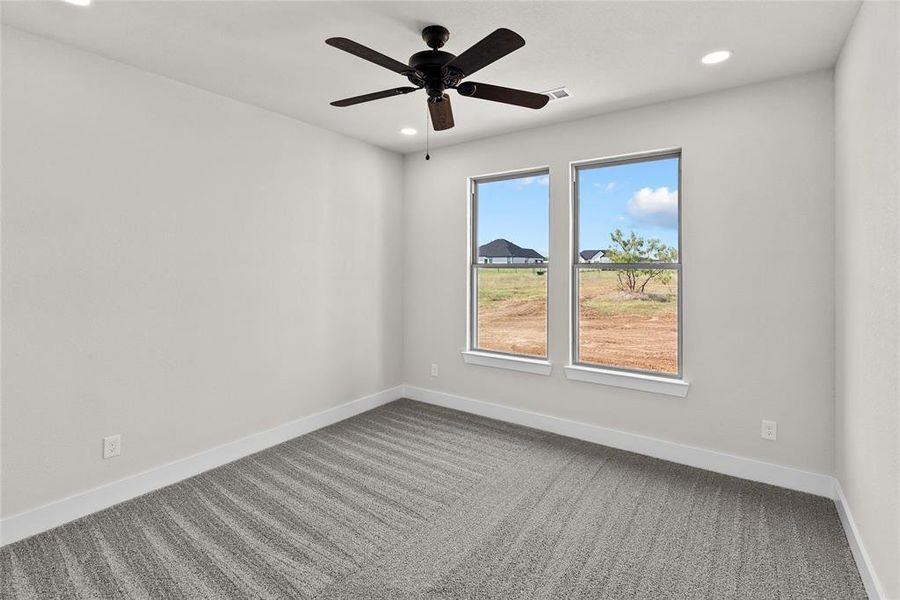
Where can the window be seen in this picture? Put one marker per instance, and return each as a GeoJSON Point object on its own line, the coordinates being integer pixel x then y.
{"type": "Point", "coordinates": [508, 266]}
{"type": "Point", "coordinates": [627, 268]}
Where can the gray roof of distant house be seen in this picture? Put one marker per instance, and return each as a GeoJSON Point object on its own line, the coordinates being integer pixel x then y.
{"type": "Point", "coordinates": [504, 248]}
{"type": "Point", "coordinates": [589, 254]}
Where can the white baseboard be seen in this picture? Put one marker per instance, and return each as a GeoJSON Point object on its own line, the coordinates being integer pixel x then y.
{"type": "Point", "coordinates": [863, 562]}
{"type": "Point", "coordinates": [42, 518]}
{"type": "Point", "coordinates": [737, 466]}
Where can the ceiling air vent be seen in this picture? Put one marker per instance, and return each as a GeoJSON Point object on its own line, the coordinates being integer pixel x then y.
{"type": "Point", "coordinates": [558, 94]}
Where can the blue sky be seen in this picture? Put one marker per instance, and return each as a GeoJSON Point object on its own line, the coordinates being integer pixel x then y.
{"type": "Point", "coordinates": [640, 197]}
{"type": "Point", "coordinates": [517, 210]}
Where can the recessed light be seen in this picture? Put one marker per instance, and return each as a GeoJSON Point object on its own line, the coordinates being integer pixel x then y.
{"type": "Point", "coordinates": [408, 131]}
{"type": "Point", "coordinates": [714, 58]}
{"type": "Point", "coordinates": [78, 2]}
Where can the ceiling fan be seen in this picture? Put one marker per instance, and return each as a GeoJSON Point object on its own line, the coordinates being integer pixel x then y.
{"type": "Point", "coordinates": [436, 71]}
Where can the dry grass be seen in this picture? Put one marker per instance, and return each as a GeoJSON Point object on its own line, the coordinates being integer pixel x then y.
{"type": "Point", "coordinates": [615, 328]}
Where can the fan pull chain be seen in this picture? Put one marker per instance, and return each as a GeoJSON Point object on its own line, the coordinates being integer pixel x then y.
{"type": "Point", "coordinates": [427, 125]}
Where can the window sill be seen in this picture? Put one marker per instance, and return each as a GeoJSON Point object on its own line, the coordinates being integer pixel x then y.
{"type": "Point", "coordinates": [634, 381]}
{"type": "Point", "coordinates": [513, 363]}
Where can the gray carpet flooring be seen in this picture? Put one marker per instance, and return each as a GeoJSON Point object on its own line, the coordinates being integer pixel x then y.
{"type": "Point", "coordinates": [412, 501]}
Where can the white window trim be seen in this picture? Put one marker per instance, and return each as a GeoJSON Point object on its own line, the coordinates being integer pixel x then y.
{"type": "Point", "coordinates": [623, 379]}
{"type": "Point", "coordinates": [536, 366]}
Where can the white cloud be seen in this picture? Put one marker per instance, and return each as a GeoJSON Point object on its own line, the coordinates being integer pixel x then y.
{"type": "Point", "coordinates": [607, 187]}
{"type": "Point", "coordinates": [654, 208]}
{"type": "Point", "coordinates": [540, 180]}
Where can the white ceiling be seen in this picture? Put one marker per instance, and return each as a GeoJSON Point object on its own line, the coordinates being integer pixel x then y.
{"type": "Point", "coordinates": [611, 55]}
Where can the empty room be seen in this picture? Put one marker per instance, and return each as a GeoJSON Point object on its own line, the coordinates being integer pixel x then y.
{"type": "Point", "coordinates": [450, 300]}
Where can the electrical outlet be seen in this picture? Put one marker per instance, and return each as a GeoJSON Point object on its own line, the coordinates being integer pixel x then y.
{"type": "Point", "coordinates": [112, 446]}
{"type": "Point", "coordinates": [434, 370]}
{"type": "Point", "coordinates": [769, 430]}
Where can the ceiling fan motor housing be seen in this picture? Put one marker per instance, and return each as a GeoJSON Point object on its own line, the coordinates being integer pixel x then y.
{"type": "Point", "coordinates": [430, 68]}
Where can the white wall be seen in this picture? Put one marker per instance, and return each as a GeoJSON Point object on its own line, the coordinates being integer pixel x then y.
{"type": "Point", "coordinates": [867, 226]}
{"type": "Point", "coordinates": [758, 273]}
{"type": "Point", "coordinates": [179, 268]}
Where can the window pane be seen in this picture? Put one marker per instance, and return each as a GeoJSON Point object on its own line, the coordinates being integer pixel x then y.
{"type": "Point", "coordinates": [629, 319]}
{"type": "Point", "coordinates": [512, 311]}
{"type": "Point", "coordinates": [628, 212]}
{"type": "Point", "coordinates": [512, 220]}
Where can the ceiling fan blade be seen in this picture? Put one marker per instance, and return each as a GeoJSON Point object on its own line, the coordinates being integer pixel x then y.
{"type": "Point", "coordinates": [441, 113]}
{"type": "Point", "coordinates": [496, 93]}
{"type": "Point", "coordinates": [494, 47]}
{"type": "Point", "coordinates": [368, 54]}
{"type": "Point", "coordinates": [374, 96]}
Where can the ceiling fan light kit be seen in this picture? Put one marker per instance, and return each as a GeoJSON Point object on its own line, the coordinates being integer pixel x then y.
{"type": "Point", "coordinates": [437, 71]}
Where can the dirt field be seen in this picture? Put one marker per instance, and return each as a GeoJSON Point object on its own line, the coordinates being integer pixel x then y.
{"type": "Point", "coordinates": [616, 329]}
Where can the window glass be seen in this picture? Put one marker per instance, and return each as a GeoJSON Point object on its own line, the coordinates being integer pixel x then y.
{"type": "Point", "coordinates": [627, 310]}
{"type": "Point", "coordinates": [512, 311]}
{"type": "Point", "coordinates": [629, 212]}
{"type": "Point", "coordinates": [510, 263]}
{"type": "Point", "coordinates": [637, 331]}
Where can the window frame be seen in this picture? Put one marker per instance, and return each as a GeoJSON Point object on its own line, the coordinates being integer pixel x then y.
{"type": "Point", "coordinates": [474, 266]}
{"type": "Point", "coordinates": [577, 267]}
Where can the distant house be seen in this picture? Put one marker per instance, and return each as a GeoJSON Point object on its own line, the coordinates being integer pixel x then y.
{"type": "Point", "coordinates": [594, 256]}
{"type": "Point", "coordinates": [505, 252]}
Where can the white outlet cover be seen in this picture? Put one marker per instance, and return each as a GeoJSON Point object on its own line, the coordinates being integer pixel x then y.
{"type": "Point", "coordinates": [112, 446]}
{"type": "Point", "coordinates": [434, 370]}
{"type": "Point", "coordinates": [769, 430]}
